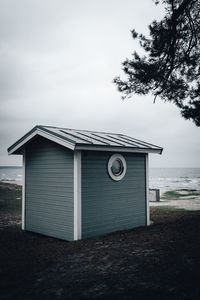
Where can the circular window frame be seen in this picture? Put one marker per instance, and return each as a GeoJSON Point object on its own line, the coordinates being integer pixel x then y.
{"type": "Point", "coordinates": [110, 163]}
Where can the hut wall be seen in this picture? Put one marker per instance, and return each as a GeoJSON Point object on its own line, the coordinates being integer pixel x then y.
{"type": "Point", "coordinates": [49, 189]}
{"type": "Point", "coordinates": [109, 205]}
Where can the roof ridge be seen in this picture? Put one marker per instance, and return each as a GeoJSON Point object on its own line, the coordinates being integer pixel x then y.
{"type": "Point", "coordinates": [76, 129]}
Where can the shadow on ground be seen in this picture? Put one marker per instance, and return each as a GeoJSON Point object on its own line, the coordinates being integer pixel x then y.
{"type": "Point", "coordinates": [161, 261]}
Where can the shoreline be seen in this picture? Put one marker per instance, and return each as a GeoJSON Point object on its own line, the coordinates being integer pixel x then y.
{"type": "Point", "coordinates": [162, 190]}
{"type": "Point", "coordinates": [181, 199]}
{"type": "Point", "coordinates": [184, 199]}
{"type": "Point", "coordinates": [11, 181]}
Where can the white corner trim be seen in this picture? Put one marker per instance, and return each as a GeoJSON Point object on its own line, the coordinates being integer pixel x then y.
{"type": "Point", "coordinates": [77, 196]}
{"type": "Point", "coordinates": [46, 135]}
{"type": "Point", "coordinates": [147, 190]}
{"type": "Point", "coordinates": [23, 190]}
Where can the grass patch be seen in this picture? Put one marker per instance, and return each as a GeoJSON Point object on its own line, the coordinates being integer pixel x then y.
{"type": "Point", "coordinates": [176, 195]}
{"type": "Point", "coordinates": [10, 198]}
{"type": "Point", "coordinates": [172, 208]}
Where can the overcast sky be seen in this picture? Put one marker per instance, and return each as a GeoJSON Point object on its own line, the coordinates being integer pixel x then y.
{"type": "Point", "coordinates": [57, 63]}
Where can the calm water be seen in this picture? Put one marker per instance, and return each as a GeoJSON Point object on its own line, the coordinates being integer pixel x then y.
{"type": "Point", "coordinates": [161, 178]}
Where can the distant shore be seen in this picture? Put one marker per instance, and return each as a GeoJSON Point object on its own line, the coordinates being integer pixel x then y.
{"type": "Point", "coordinates": [164, 179]}
{"type": "Point", "coordinates": [11, 181]}
{"type": "Point", "coordinates": [186, 199]}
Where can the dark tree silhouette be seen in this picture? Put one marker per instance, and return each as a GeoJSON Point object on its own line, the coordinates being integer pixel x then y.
{"type": "Point", "coordinates": [170, 67]}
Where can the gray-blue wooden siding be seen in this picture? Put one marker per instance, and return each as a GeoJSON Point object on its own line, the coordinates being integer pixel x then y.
{"type": "Point", "coordinates": [49, 189]}
{"type": "Point", "coordinates": [109, 205]}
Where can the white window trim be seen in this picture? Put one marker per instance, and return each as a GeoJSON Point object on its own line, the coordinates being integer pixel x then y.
{"type": "Point", "coordinates": [23, 190]}
{"type": "Point", "coordinates": [147, 190]}
{"type": "Point", "coordinates": [77, 196]}
{"type": "Point", "coordinates": [110, 162]}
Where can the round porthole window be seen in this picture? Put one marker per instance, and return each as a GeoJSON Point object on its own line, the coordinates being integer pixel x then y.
{"type": "Point", "coordinates": [117, 167]}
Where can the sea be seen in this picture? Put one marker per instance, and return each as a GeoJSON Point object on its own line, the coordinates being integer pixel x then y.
{"type": "Point", "coordinates": [11, 174]}
{"type": "Point", "coordinates": [169, 179]}
{"type": "Point", "coordinates": [164, 179]}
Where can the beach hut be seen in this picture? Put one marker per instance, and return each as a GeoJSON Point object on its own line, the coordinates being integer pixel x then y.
{"type": "Point", "coordinates": [80, 183]}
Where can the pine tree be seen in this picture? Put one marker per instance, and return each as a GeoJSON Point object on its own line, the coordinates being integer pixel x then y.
{"type": "Point", "coordinates": [170, 68]}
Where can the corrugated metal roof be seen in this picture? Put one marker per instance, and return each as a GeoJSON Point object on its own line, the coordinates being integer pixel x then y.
{"type": "Point", "coordinates": [84, 139]}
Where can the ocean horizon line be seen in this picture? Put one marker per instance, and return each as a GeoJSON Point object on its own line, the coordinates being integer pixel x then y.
{"type": "Point", "coordinates": [149, 167]}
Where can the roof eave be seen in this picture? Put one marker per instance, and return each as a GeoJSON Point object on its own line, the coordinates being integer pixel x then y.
{"type": "Point", "coordinates": [118, 148]}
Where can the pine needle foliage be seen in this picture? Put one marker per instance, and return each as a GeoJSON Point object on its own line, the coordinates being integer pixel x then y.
{"type": "Point", "coordinates": [170, 67]}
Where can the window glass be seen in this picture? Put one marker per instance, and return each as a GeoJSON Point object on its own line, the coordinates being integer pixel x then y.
{"type": "Point", "coordinates": [117, 167]}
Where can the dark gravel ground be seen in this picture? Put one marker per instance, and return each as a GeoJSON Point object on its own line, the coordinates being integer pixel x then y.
{"type": "Point", "coordinates": [157, 262]}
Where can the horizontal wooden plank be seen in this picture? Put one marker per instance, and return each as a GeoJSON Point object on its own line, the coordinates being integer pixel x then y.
{"type": "Point", "coordinates": [49, 189]}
